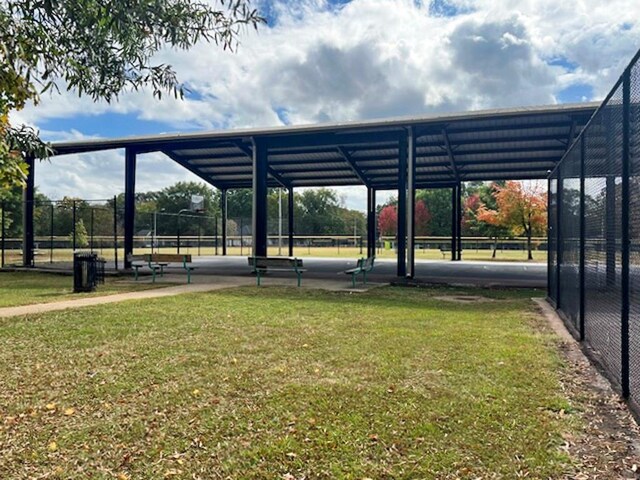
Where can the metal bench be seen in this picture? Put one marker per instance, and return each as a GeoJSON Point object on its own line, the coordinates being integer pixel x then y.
{"type": "Point", "coordinates": [261, 265]}
{"type": "Point", "coordinates": [444, 249]}
{"type": "Point", "coordinates": [363, 266]}
{"type": "Point", "coordinates": [158, 261]}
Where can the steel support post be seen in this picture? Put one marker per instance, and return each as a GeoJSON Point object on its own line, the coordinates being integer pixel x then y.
{"type": "Point", "coordinates": [28, 197]}
{"type": "Point", "coordinates": [583, 232]}
{"type": "Point", "coordinates": [624, 324]}
{"type": "Point", "coordinates": [129, 204]}
{"type": "Point", "coordinates": [371, 222]}
{"type": "Point", "coordinates": [260, 168]}
{"type": "Point", "coordinates": [411, 205]}
{"type": "Point", "coordinates": [459, 222]}
{"type": "Point", "coordinates": [290, 218]}
{"type": "Point", "coordinates": [223, 220]}
{"type": "Point", "coordinates": [402, 207]}
{"type": "Point", "coordinates": [454, 223]}
{"type": "Point", "coordinates": [550, 232]}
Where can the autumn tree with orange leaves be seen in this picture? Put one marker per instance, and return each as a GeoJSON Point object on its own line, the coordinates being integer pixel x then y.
{"type": "Point", "coordinates": [522, 209]}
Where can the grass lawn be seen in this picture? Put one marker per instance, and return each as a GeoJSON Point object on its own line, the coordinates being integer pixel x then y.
{"type": "Point", "coordinates": [285, 384]}
{"type": "Point", "coordinates": [24, 288]}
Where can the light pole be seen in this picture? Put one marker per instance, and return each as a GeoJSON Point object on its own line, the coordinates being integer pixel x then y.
{"type": "Point", "coordinates": [279, 221]}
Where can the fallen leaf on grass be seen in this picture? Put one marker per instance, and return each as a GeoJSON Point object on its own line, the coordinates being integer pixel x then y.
{"type": "Point", "coordinates": [172, 472]}
{"type": "Point", "coordinates": [69, 411]}
{"type": "Point", "coordinates": [52, 447]}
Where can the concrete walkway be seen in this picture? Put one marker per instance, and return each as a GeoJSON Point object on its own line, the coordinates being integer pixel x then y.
{"type": "Point", "coordinates": [206, 283]}
{"type": "Point", "coordinates": [118, 297]}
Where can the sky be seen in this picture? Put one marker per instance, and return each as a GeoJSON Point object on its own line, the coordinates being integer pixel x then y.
{"type": "Point", "coordinates": [338, 60]}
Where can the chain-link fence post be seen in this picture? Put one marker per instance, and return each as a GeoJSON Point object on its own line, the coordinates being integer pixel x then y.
{"type": "Point", "coordinates": [624, 324]}
{"type": "Point", "coordinates": [91, 229]}
{"type": "Point", "coordinates": [215, 234]}
{"type": "Point", "coordinates": [73, 228]}
{"type": "Point", "coordinates": [51, 239]}
{"type": "Point", "coordinates": [583, 233]}
{"type": "Point", "coordinates": [199, 233]}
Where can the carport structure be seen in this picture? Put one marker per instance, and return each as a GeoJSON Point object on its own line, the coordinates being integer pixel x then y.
{"type": "Point", "coordinates": [405, 154]}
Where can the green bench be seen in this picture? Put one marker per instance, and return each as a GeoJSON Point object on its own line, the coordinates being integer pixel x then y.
{"type": "Point", "coordinates": [157, 262]}
{"type": "Point", "coordinates": [262, 265]}
{"type": "Point", "coordinates": [363, 266]}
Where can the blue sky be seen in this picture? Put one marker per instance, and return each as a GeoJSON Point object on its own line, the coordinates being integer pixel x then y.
{"type": "Point", "coordinates": [336, 60]}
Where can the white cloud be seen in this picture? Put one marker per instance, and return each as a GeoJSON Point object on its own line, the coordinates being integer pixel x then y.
{"type": "Point", "coordinates": [100, 175]}
{"type": "Point", "coordinates": [374, 58]}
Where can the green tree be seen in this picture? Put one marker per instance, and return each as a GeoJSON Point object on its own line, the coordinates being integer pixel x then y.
{"type": "Point", "coordinates": [12, 200]}
{"type": "Point", "coordinates": [173, 199]}
{"type": "Point", "coordinates": [97, 48]}
{"type": "Point", "coordinates": [317, 212]}
{"type": "Point", "coordinates": [81, 235]}
{"type": "Point", "coordinates": [240, 204]}
{"type": "Point", "coordinates": [438, 203]}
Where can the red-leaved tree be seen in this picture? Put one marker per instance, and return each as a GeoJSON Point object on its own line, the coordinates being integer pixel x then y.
{"type": "Point", "coordinates": [388, 220]}
{"type": "Point", "coordinates": [521, 210]}
{"type": "Point", "coordinates": [423, 217]}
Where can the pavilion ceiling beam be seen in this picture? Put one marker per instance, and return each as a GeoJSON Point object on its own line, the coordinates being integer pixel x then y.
{"type": "Point", "coordinates": [248, 151]}
{"type": "Point", "coordinates": [180, 161]}
{"type": "Point", "coordinates": [436, 129]}
{"type": "Point", "coordinates": [509, 175]}
{"type": "Point", "coordinates": [352, 164]}
{"type": "Point", "coordinates": [452, 159]}
{"type": "Point", "coordinates": [332, 140]}
{"type": "Point", "coordinates": [229, 161]}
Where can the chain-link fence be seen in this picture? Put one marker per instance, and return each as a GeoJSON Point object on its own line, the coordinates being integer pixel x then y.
{"type": "Point", "coordinates": [97, 226]}
{"type": "Point", "coordinates": [594, 230]}
{"type": "Point", "coordinates": [60, 228]}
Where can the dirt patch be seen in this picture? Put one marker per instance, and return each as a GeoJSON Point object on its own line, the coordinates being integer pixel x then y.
{"type": "Point", "coordinates": [607, 446]}
{"type": "Point", "coordinates": [463, 298]}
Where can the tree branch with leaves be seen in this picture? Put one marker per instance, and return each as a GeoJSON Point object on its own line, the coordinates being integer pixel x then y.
{"type": "Point", "coordinates": [97, 48]}
{"type": "Point", "coordinates": [520, 209]}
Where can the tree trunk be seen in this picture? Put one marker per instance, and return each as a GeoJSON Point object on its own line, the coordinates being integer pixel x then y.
{"type": "Point", "coordinates": [495, 247]}
{"type": "Point", "coordinates": [530, 257]}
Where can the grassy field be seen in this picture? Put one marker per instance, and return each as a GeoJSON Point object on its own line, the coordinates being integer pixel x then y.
{"type": "Point", "coordinates": [23, 288]}
{"type": "Point", "coordinates": [284, 383]}
{"type": "Point", "coordinates": [343, 252]}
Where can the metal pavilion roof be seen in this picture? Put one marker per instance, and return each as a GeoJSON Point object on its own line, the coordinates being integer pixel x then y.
{"type": "Point", "coordinates": [517, 144]}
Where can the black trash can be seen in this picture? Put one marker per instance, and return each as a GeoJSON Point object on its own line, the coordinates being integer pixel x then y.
{"type": "Point", "coordinates": [88, 271]}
